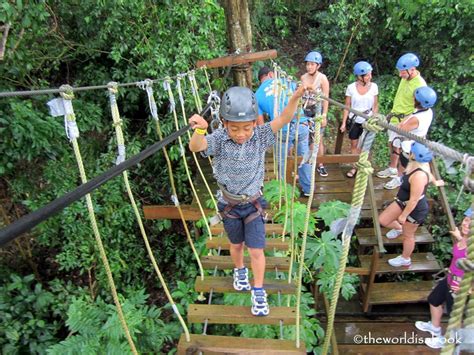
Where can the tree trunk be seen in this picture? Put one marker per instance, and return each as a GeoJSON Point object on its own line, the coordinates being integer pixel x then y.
{"type": "Point", "coordinates": [239, 36]}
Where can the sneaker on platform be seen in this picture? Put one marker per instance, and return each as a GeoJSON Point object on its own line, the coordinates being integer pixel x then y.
{"type": "Point", "coordinates": [388, 173]}
{"type": "Point", "coordinates": [393, 184]}
{"type": "Point", "coordinates": [259, 303]}
{"type": "Point", "coordinates": [322, 171]}
{"type": "Point", "coordinates": [428, 327]}
{"type": "Point", "coordinates": [399, 261]}
{"type": "Point", "coordinates": [393, 233]}
{"type": "Point", "coordinates": [435, 342]}
{"type": "Point", "coordinates": [241, 279]}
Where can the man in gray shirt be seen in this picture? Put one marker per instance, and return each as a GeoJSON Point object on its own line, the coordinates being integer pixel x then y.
{"type": "Point", "coordinates": [239, 164]}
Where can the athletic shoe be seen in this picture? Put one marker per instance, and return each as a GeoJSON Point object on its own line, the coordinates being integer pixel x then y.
{"type": "Point", "coordinates": [428, 327]}
{"type": "Point", "coordinates": [259, 303]}
{"type": "Point", "coordinates": [388, 173]}
{"type": "Point", "coordinates": [435, 342]}
{"type": "Point", "coordinates": [322, 171]}
{"type": "Point", "coordinates": [393, 184]}
{"type": "Point", "coordinates": [393, 233]}
{"type": "Point", "coordinates": [241, 279]}
{"type": "Point", "coordinates": [399, 261]}
{"type": "Point", "coordinates": [307, 194]}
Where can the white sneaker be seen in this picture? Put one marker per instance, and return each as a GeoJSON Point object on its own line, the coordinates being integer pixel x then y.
{"type": "Point", "coordinates": [393, 184]}
{"type": "Point", "coordinates": [399, 261]}
{"type": "Point", "coordinates": [241, 279]}
{"type": "Point", "coordinates": [259, 303]}
{"type": "Point", "coordinates": [428, 327]}
{"type": "Point", "coordinates": [388, 173]}
{"type": "Point", "coordinates": [435, 342]}
{"type": "Point", "coordinates": [393, 233]}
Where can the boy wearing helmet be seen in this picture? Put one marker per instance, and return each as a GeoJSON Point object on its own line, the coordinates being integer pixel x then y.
{"type": "Point", "coordinates": [362, 95]}
{"type": "Point", "coordinates": [239, 164]}
{"type": "Point", "coordinates": [403, 105]}
{"type": "Point", "coordinates": [418, 123]}
{"type": "Point", "coordinates": [313, 77]}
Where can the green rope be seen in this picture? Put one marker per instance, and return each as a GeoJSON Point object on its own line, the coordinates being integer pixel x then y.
{"type": "Point", "coordinates": [113, 89]}
{"type": "Point", "coordinates": [67, 95]}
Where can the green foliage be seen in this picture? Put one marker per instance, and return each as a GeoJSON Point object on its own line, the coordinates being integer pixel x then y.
{"type": "Point", "coordinates": [332, 210]}
{"type": "Point", "coordinates": [298, 210]}
{"type": "Point", "coordinates": [271, 192]}
{"type": "Point", "coordinates": [31, 315]}
{"type": "Point", "coordinates": [95, 327]}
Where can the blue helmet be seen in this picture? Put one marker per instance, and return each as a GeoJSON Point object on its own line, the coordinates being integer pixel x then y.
{"type": "Point", "coordinates": [238, 104]}
{"type": "Point", "coordinates": [468, 213]}
{"type": "Point", "coordinates": [407, 61]}
{"type": "Point", "coordinates": [422, 154]}
{"type": "Point", "coordinates": [362, 68]}
{"type": "Point", "coordinates": [314, 57]}
{"type": "Point", "coordinates": [426, 96]}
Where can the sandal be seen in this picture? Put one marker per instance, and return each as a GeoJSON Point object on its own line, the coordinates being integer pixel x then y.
{"type": "Point", "coordinates": [351, 173]}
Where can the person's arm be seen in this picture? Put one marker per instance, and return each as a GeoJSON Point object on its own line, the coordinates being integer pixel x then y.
{"type": "Point", "coordinates": [325, 90]}
{"type": "Point", "coordinates": [375, 109]}
{"type": "Point", "coordinates": [435, 182]}
{"type": "Point", "coordinates": [409, 123]}
{"type": "Point", "coordinates": [289, 111]}
{"type": "Point", "coordinates": [198, 141]}
{"type": "Point", "coordinates": [417, 182]}
{"type": "Point", "coordinates": [260, 120]}
{"type": "Point", "coordinates": [345, 113]}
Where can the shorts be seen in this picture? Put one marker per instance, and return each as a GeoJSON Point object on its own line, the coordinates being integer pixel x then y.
{"type": "Point", "coordinates": [397, 143]}
{"type": "Point", "coordinates": [440, 294]}
{"type": "Point", "coordinates": [355, 131]}
{"type": "Point", "coordinates": [252, 233]}
{"type": "Point", "coordinates": [404, 159]}
{"type": "Point", "coordinates": [418, 215]}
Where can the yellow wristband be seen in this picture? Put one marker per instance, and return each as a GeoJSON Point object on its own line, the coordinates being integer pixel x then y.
{"type": "Point", "coordinates": [201, 131]}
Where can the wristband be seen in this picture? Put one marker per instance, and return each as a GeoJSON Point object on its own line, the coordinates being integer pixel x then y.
{"type": "Point", "coordinates": [201, 131]}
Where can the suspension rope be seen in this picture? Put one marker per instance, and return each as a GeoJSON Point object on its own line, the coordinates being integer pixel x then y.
{"type": "Point", "coordinates": [183, 155]}
{"type": "Point", "coordinates": [113, 90]}
{"type": "Point", "coordinates": [196, 160]}
{"type": "Point", "coordinates": [364, 169]}
{"type": "Point", "coordinates": [207, 79]}
{"type": "Point", "coordinates": [73, 133]}
{"type": "Point", "coordinates": [174, 197]}
{"type": "Point", "coordinates": [299, 279]}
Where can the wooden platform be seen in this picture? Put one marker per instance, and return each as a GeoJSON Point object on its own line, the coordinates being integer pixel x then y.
{"type": "Point", "coordinates": [271, 243]}
{"type": "Point", "coordinates": [270, 229]}
{"type": "Point", "coordinates": [225, 262]}
{"type": "Point", "coordinates": [366, 237]}
{"type": "Point", "coordinates": [400, 292]}
{"type": "Point", "coordinates": [420, 262]}
{"type": "Point", "coordinates": [214, 344]}
{"type": "Point", "coordinates": [224, 284]}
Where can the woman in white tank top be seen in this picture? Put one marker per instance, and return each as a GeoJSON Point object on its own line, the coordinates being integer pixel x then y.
{"type": "Point", "coordinates": [362, 95]}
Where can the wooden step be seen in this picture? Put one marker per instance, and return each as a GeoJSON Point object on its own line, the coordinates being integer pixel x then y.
{"type": "Point", "coordinates": [400, 292]}
{"type": "Point", "coordinates": [270, 229]}
{"type": "Point", "coordinates": [366, 237]}
{"type": "Point", "coordinates": [420, 262]}
{"type": "Point", "coordinates": [225, 284]}
{"type": "Point", "coordinates": [217, 344]}
{"type": "Point", "coordinates": [225, 262]}
{"type": "Point", "coordinates": [222, 314]}
{"type": "Point", "coordinates": [374, 349]}
{"type": "Point", "coordinates": [271, 243]}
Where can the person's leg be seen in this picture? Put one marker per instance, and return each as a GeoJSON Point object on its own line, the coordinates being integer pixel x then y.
{"type": "Point", "coordinates": [388, 218]}
{"type": "Point", "coordinates": [409, 230]}
{"type": "Point", "coordinates": [391, 170]}
{"type": "Point", "coordinates": [304, 171]}
{"type": "Point", "coordinates": [257, 259]}
{"type": "Point", "coordinates": [237, 254]}
{"type": "Point", "coordinates": [436, 315]}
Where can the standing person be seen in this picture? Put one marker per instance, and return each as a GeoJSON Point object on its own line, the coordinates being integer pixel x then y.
{"type": "Point", "coordinates": [265, 100]}
{"type": "Point", "coordinates": [444, 290]}
{"type": "Point", "coordinates": [410, 208]}
{"type": "Point", "coordinates": [403, 105]}
{"type": "Point", "coordinates": [239, 164]}
{"type": "Point", "coordinates": [313, 77]}
{"type": "Point", "coordinates": [362, 95]}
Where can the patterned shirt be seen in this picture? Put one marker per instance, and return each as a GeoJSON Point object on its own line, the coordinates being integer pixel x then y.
{"type": "Point", "coordinates": [240, 167]}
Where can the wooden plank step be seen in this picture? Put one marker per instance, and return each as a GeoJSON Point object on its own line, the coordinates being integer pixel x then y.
{"type": "Point", "coordinates": [190, 212]}
{"type": "Point", "coordinates": [222, 314]}
{"type": "Point", "coordinates": [400, 292]}
{"type": "Point", "coordinates": [270, 229]}
{"type": "Point", "coordinates": [271, 243]}
{"type": "Point", "coordinates": [225, 262]}
{"type": "Point", "coordinates": [218, 344]}
{"type": "Point", "coordinates": [374, 349]}
{"type": "Point", "coordinates": [225, 284]}
{"type": "Point", "coordinates": [420, 262]}
{"type": "Point", "coordinates": [366, 237]}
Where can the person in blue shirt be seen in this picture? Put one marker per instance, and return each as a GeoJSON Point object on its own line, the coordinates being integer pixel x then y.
{"type": "Point", "coordinates": [265, 95]}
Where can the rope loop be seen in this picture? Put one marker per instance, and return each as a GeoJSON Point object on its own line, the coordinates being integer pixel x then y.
{"type": "Point", "coordinates": [372, 124]}
{"type": "Point", "coordinates": [112, 87]}
{"type": "Point", "coordinates": [364, 167]}
{"type": "Point", "coordinates": [468, 179]}
{"type": "Point", "coordinates": [67, 92]}
{"type": "Point", "coordinates": [465, 264]}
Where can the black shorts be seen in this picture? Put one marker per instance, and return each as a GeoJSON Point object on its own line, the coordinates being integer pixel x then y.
{"type": "Point", "coordinates": [418, 215]}
{"type": "Point", "coordinates": [440, 294]}
{"type": "Point", "coordinates": [355, 131]}
{"type": "Point", "coordinates": [404, 159]}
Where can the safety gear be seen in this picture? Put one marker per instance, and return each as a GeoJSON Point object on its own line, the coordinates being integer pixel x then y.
{"type": "Point", "coordinates": [407, 61]}
{"type": "Point", "coordinates": [422, 154]}
{"type": "Point", "coordinates": [238, 104]}
{"type": "Point", "coordinates": [426, 96]}
{"type": "Point", "coordinates": [362, 68]}
{"type": "Point", "coordinates": [314, 57]}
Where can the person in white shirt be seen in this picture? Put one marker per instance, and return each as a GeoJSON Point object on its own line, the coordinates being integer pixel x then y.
{"type": "Point", "coordinates": [362, 95]}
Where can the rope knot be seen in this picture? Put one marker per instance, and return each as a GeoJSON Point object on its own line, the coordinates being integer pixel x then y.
{"type": "Point", "coordinates": [112, 87]}
{"type": "Point", "coordinates": [118, 123]}
{"type": "Point", "coordinates": [364, 167]}
{"type": "Point", "coordinates": [67, 92]}
{"type": "Point", "coordinates": [372, 123]}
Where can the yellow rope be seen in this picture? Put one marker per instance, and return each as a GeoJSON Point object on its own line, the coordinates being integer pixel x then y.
{"type": "Point", "coordinates": [173, 189]}
{"type": "Point", "coordinates": [68, 95]}
{"type": "Point", "coordinates": [183, 154]}
{"type": "Point", "coordinates": [113, 89]}
{"type": "Point", "coordinates": [207, 78]}
{"type": "Point", "coordinates": [196, 160]}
